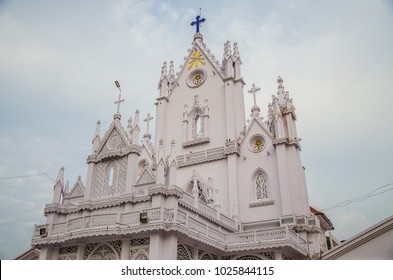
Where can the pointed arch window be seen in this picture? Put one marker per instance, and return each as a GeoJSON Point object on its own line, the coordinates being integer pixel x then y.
{"type": "Point", "coordinates": [260, 189]}
{"type": "Point", "coordinates": [110, 179]}
{"type": "Point", "coordinates": [261, 186]}
{"type": "Point", "coordinates": [197, 125]}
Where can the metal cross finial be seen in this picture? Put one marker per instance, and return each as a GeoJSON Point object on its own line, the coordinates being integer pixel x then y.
{"type": "Point", "coordinates": [253, 91]}
{"type": "Point", "coordinates": [119, 100]}
{"type": "Point", "coordinates": [197, 22]}
{"type": "Point", "coordinates": [147, 120]}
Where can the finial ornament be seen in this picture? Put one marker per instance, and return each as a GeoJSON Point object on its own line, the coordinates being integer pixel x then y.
{"type": "Point", "coordinates": [198, 22]}
{"type": "Point", "coordinates": [280, 81]}
{"type": "Point", "coordinates": [60, 176]}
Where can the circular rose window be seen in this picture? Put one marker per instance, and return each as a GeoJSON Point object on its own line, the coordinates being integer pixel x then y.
{"type": "Point", "coordinates": [257, 143]}
{"type": "Point", "coordinates": [196, 78]}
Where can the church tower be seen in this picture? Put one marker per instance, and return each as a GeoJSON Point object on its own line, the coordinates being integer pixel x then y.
{"type": "Point", "coordinates": [211, 185]}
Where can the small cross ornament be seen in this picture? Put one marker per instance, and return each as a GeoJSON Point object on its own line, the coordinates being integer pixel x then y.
{"type": "Point", "coordinates": [253, 91]}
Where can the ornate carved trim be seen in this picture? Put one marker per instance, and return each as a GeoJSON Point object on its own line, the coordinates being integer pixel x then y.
{"type": "Point", "coordinates": [261, 203]}
{"type": "Point", "coordinates": [287, 141]}
{"type": "Point", "coordinates": [137, 149]}
{"type": "Point", "coordinates": [89, 205]}
{"type": "Point", "coordinates": [231, 147]}
{"type": "Point", "coordinates": [197, 141]}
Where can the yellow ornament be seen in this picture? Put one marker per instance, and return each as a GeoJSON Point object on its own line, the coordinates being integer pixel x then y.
{"type": "Point", "coordinates": [196, 58]}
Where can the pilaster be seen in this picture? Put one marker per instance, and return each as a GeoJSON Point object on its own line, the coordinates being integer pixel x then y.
{"type": "Point", "coordinates": [89, 180]}
{"type": "Point", "coordinates": [125, 249]}
{"type": "Point", "coordinates": [132, 169]}
{"type": "Point", "coordinates": [282, 168]}
{"type": "Point", "coordinates": [163, 246]}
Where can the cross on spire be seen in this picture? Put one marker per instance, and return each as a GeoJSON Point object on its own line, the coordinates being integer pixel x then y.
{"type": "Point", "coordinates": [197, 22]}
{"type": "Point", "coordinates": [253, 91]}
{"type": "Point", "coordinates": [119, 100]}
{"type": "Point", "coordinates": [147, 120]}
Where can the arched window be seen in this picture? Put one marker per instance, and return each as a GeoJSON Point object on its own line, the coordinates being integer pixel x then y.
{"type": "Point", "coordinates": [110, 181]}
{"type": "Point", "coordinates": [261, 186]}
{"type": "Point", "coordinates": [197, 124]}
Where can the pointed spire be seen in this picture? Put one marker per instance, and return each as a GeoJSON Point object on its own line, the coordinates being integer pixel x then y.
{"type": "Point", "coordinates": [97, 132]}
{"type": "Point", "coordinates": [227, 62]}
{"type": "Point", "coordinates": [96, 138]}
{"type": "Point", "coordinates": [58, 188]}
{"type": "Point", "coordinates": [136, 118]}
{"type": "Point", "coordinates": [236, 54]}
{"type": "Point", "coordinates": [164, 71]}
{"type": "Point", "coordinates": [171, 71]}
{"type": "Point", "coordinates": [60, 176]}
{"type": "Point", "coordinates": [276, 108]}
{"type": "Point", "coordinates": [227, 50]}
{"type": "Point", "coordinates": [280, 81]}
{"type": "Point", "coordinates": [280, 91]}
{"type": "Point", "coordinates": [135, 128]}
{"type": "Point", "coordinates": [270, 112]}
{"type": "Point", "coordinates": [129, 130]}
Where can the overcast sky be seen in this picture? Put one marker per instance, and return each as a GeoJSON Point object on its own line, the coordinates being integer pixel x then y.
{"type": "Point", "coordinates": [59, 59]}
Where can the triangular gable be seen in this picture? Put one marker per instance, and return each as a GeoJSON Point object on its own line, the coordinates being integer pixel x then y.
{"type": "Point", "coordinates": [147, 177]}
{"type": "Point", "coordinates": [114, 139]}
{"type": "Point", "coordinates": [259, 125]}
{"type": "Point", "coordinates": [173, 163]}
{"type": "Point", "coordinates": [209, 58]}
{"type": "Point", "coordinates": [77, 191]}
{"type": "Point", "coordinates": [256, 125]}
{"type": "Point", "coordinates": [147, 150]}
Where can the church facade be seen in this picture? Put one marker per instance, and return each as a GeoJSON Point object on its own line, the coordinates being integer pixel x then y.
{"type": "Point", "coordinates": [210, 185]}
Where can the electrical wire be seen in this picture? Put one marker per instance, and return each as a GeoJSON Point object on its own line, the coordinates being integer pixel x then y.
{"type": "Point", "coordinates": [25, 176]}
{"type": "Point", "coordinates": [361, 198]}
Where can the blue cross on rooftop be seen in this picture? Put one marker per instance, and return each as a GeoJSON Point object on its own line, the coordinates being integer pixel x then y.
{"type": "Point", "coordinates": [197, 23]}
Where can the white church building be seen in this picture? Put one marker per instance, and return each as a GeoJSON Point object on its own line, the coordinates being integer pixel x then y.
{"type": "Point", "coordinates": [210, 185]}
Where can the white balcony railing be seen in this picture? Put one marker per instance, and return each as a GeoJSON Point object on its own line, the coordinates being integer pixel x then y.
{"type": "Point", "coordinates": [179, 219]}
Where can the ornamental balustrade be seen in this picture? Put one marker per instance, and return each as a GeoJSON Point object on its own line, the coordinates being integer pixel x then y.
{"type": "Point", "coordinates": [205, 210]}
{"type": "Point", "coordinates": [201, 157]}
{"type": "Point", "coordinates": [59, 228]}
{"type": "Point", "coordinates": [179, 219]}
{"type": "Point", "coordinates": [231, 147]}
